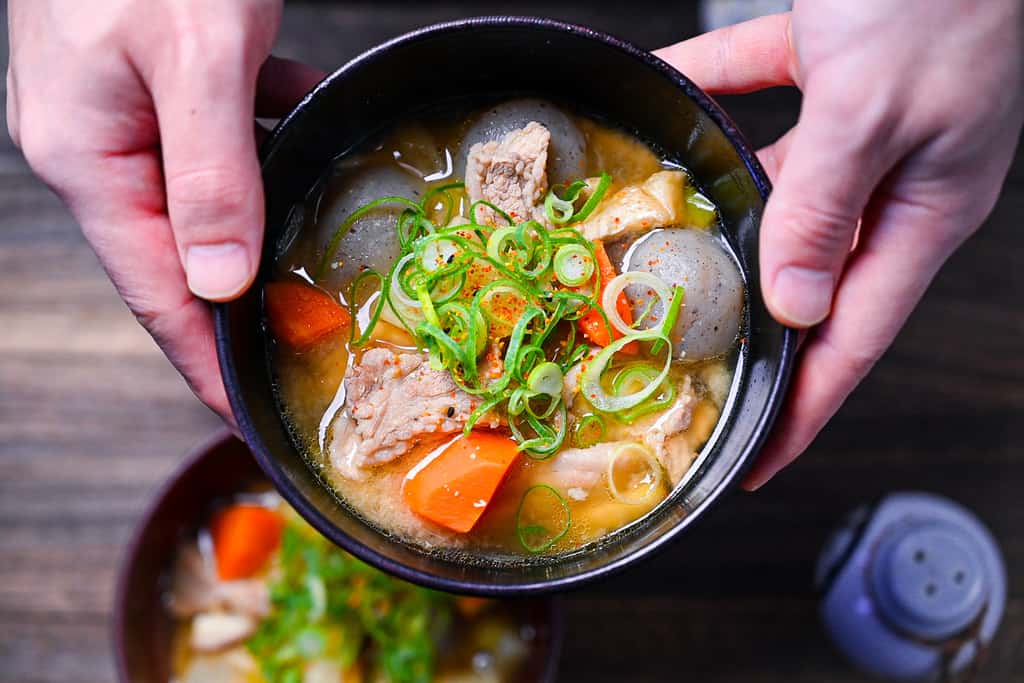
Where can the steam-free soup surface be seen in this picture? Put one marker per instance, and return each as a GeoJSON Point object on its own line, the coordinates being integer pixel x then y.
{"type": "Point", "coordinates": [504, 332]}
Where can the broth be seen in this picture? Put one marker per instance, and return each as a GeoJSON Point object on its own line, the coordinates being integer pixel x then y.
{"type": "Point", "coordinates": [257, 595]}
{"type": "Point", "coordinates": [585, 490]}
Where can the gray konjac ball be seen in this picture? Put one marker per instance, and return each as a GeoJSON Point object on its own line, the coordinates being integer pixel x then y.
{"type": "Point", "coordinates": [567, 154]}
{"type": "Point", "coordinates": [372, 241]}
{"type": "Point", "coordinates": [713, 306]}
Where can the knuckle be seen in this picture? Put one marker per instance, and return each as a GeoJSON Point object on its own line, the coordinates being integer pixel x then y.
{"type": "Point", "coordinates": [208, 195]}
{"type": "Point", "coordinates": [38, 144]}
{"type": "Point", "coordinates": [821, 230]}
{"type": "Point", "coordinates": [221, 40]}
{"type": "Point", "coordinates": [856, 360]}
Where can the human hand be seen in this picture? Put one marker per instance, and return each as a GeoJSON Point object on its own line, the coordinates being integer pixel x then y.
{"type": "Point", "coordinates": [911, 112]}
{"type": "Point", "coordinates": [140, 115]}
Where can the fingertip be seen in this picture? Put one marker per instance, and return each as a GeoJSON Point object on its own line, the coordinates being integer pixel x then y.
{"type": "Point", "coordinates": [218, 272]}
{"type": "Point", "coordinates": [800, 297]}
{"type": "Point", "coordinates": [755, 480]}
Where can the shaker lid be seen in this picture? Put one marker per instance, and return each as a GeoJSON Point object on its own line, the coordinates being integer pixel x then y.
{"type": "Point", "coordinates": [929, 579]}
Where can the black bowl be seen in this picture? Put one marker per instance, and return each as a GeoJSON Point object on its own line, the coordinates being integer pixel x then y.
{"type": "Point", "coordinates": [223, 466]}
{"type": "Point", "coordinates": [494, 56]}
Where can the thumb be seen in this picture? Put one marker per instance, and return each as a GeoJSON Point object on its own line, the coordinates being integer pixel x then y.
{"type": "Point", "coordinates": [212, 176]}
{"type": "Point", "coordinates": [832, 164]}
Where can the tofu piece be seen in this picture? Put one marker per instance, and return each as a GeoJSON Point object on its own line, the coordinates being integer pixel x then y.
{"type": "Point", "coordinates": [215, 631]}
{"type": "Point", "coordinates": [659, 202]}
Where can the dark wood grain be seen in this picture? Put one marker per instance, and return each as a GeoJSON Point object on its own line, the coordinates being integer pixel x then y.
{"type": "Point", "coordinates": [92, 418]}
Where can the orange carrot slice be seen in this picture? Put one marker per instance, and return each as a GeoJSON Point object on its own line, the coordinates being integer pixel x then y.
{"type": "Point", "coordinates": [300, 315]}
{"type": "Point", "coordinates": [469, 606]}
{"type": "Point", "coordinates": [455, 485]}
{"type": "Point", "coordinates": [592, 324]}
{"type": "Point", "coordinates": [244, 539]}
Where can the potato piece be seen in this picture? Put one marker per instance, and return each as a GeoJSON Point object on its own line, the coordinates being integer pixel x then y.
{"type": "Point", "coordinates": [567, 154]}
{"type": "Point", "coordinates": [709, 321]}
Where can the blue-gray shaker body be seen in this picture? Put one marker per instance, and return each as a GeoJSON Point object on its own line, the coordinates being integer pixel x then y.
{"type": "Point", "coordinates": [913, 588]}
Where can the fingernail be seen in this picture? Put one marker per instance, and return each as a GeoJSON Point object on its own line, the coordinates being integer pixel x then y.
{"type": "Point", "coordinates": [802, 296]}
{"type": "Point", "coordinates": [217, 271]}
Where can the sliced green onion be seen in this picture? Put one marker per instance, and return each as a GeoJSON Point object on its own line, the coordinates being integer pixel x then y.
{"type": "Point", "coordinates": [589, 430]}
{"type": "Point", "coordinates": [529, 356]}
{"type": "Point", "coordinates": [438, 253]}
{"type": "Point", "coordinates": [642, 471]}
{"type": "Point", "coordinates": [578, 354]}
{"type": "Point", "coordinates": [574, 265]}
{"type": "Point", "coordinates": [590, 381]}
{"type": "Point", "coordinates": [521, 305]}
{"type": "Point", "coordinates": [542, 254]}
{"type": "Point", "coordinates": [496, 243]}
{"type": "Point", "coordinates": [480, 411]}
{"type": "Point", "coordinates": [543, 518]}
{"type": "Point", "coordinates": [442, 191]}
{"type": "Point", "coordinates": [553, 404]}
{"type": "Point", "coordinates": [517, 402]}
{"type": "Point", "coordinates": [651, 405]}
{"type": "Point", "coordinates": [700, 211]}
{"type": "Point", "coordinates": [634, 377]}
{"type": "Point", "coordinates": [619, 283]}
{"type": "Point", "coordinates": [643, 314]}
{"type": "Point", "coordinates": [577, 304]}
{"type": "Point", "coordinates": [671, 316]}
{"type": "Point", "coordinates": [548, 439]}
{"type": "Point", "coordinates": [595, 198]}
{"type": "Point", "coordinates": [546, 379]}
{"type": "Point", "coordinates": [639, 375]}
{"type": "Point", "coordinates": [491, 299]}
{"type": "Point", "coordinates": [558, 211]}
{"type": "Point", "coordinates": [427, 304]}
{"type": "Point", "coordinates": [317, 596]}
{"type": "Point", "coordinates": [481, 202]}
{"type": "Point", "coordinates": [378, 306]}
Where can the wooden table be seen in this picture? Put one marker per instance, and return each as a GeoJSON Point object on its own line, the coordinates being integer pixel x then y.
{"type": "Point", "coordinates": [92, 418]}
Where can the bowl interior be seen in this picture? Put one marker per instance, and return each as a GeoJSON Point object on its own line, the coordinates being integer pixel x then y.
{"type": "Point", "coordinates": [142, 629]}
{"type": "Point", "coordinates": [600, 76]}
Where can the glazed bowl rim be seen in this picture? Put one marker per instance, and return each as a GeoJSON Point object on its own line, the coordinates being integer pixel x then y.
{"type": "Point", "coordinates": [294, 495]}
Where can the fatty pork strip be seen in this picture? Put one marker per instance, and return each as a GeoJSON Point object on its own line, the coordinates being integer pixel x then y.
{"type": "Point", "coordinates": [578, 470]}
{"type": "Point", "coordinates": [393, 400]}
{"type": "Point", "coordinates": [511, 174]}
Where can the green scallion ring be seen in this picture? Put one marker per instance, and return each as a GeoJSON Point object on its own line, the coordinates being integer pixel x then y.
{"type": "Point", "coordinates": [573, 265]}
{"type": "Point", "coordinates": [528, 533]}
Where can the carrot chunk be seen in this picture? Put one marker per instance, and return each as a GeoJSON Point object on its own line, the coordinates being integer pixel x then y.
{"type": "Point", "coordinates": [244, 539]}
{"type": "Point", "coordinates": [300, 315]}
{"type": "Point", "coordinates": [592, 324]}
{"type": "Point", "coordinates": [457, 482]}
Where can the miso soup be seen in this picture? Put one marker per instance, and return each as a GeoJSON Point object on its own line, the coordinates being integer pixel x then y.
{"type": "Point", "coordinates": [503, 332]}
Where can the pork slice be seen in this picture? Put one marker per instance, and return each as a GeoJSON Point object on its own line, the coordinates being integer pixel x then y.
{"type": "Point", "coordinates": [511, 173]}
{"type": "Point", "coordinates": [393, 400]}
{"type": "Point", "coordinates": [657, 428]}
{"type": "Point", "coordinates": [571, 380]}
{"type": "Point", "coordinates": [578, 470]}
{"type": "Point", "coordinates": [663, 432]}
{"type": "Point", "coordinates": [196, 588]}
